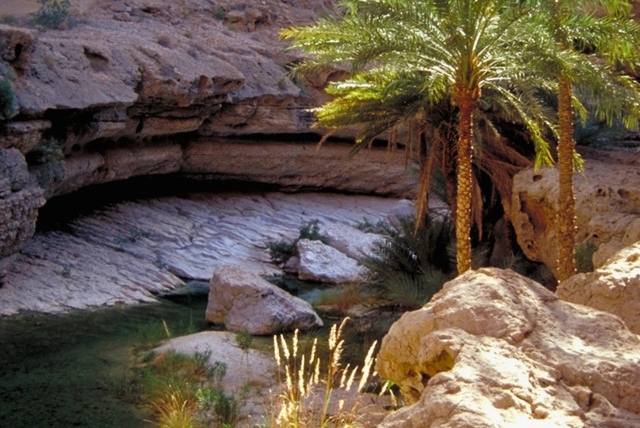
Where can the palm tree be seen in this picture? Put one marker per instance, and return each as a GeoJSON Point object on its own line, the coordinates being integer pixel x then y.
{"type": "Point", "coordinates": [594, 37]}
{"type": "Point", "coordinates": [420, 55]}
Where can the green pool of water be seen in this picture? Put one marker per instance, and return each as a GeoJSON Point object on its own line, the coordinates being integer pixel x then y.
{"type": "Point", "coordinates": [64, 370]}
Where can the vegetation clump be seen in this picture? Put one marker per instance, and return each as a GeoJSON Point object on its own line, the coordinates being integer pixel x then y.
{"type": "Point", "coordinates": [281, 251]}
{"type": "Point", "coordinates": [47, 157]}
{"type": "Point", "coordinates": [315, 393]}
{"type": "Point", "coordinates": [55, 15]}
{"type": "Point", "coordinates": [7, 99]}
{"type": "Point", "coordinates": [410, 266]}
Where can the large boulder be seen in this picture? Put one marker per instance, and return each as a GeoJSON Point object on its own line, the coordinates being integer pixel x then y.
{"type": "Point", "coordinates": [614, 288]}
{"type": "Point", "coordinates": [494, 349]}
{"type": "Point", "coordinates": [244, 301]}
{"type": "Point", "coordinates": [320, 262]}
{"type": "Point", "coordinates": [607, 204]}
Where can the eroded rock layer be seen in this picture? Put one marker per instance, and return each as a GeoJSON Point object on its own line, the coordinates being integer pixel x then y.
{"type": "Point", "coordinates": [126, 252]}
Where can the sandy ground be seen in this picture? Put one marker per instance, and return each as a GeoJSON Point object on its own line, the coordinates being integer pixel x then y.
{"type": "Point", "coordinates": [18, 8]}
{"type": "Point", "coordinates": [22, 8]}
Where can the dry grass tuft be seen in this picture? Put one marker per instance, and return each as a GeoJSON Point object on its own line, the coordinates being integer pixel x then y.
{"type": "Point", "coordinates": [311, 397]}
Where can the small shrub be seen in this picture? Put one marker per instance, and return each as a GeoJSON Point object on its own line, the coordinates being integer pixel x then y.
{"type": "Point", "coordinates": [220, 13]}
{"type": "Point", "coordinates": [311, 231]}
{"type": "Point", "coordinates": [281, 251]}
{"type": "Point", "coordinates": [7, 99]}
{"type": "Point", "coordinates": [379, 227]}
{"type": "Point", "coordinates": [410, 266]}
{"type": "Point", "coordinates": [48, 158]}
{"type": "Point", "coordinates": [55, 14]}
{"type": "Point", "coordinates": [8, 19]}
{"type": "Point", "coordinates": [244, 340]}
{"type": "Point", "coordinates": [584, 256]}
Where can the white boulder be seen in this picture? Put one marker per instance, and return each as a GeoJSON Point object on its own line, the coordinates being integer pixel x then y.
{"type": "Point", "coordinates": [350, 241]}
{"type": "Point", "coordinates": [320, 262]}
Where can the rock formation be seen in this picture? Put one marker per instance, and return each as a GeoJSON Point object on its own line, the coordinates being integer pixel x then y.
{"type": "Point", "coordinates": [20, 199]}
{"type": "Point", "coordinates": [243, 301]}
{"type": "Point", "coordinates": [614, 287]}
{"type": "Point", "coordinates": [350, 241]}
{"type": "Point", "coordinates": [494, 349]}
{"type": "Point", "coordinates": [130, 250]}
{"type": "Point", "coordinates": [607, 205]}
{"type": "Point", "coordinates": [141, 88]}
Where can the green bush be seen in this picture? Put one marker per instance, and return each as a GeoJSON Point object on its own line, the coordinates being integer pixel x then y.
{"type": "Point", "coordinates": [55, 14]}
{"type": "Point", "coordinates": [8, 19]}
{"type": "Point", "coordinates": [411, 266]}
{"type": "Point", "coordinates": [281, 251]}
{"type": "Point", "coordinates": [7, 99]}
{"type": "Point", "coordinates": [49, 156]}
{"type": "Point", "coordinates": [380, 227]}
{"type": "Point", "coordinates": [220, 13]}
{"type": "Point", "coordinates": [584, 256]}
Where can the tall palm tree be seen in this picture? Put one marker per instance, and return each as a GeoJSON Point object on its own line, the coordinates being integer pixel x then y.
{"type": "Point", "coordinates": [458, 52]}
{"type": "Point", "coordinates": [593, 37]}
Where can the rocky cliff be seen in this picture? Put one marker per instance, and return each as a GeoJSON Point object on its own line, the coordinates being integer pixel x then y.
{"type": "Point", "coordinates": [157, 87]}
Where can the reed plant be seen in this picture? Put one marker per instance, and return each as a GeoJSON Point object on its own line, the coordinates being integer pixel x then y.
{"type": "Point", "coordinates": [316, 393]}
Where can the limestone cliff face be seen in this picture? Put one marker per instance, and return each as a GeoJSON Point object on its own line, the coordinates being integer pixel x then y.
{"type": "Point", "coordinates": [155, 87]}
{"type": "Point", "coordinates": [607, 206]}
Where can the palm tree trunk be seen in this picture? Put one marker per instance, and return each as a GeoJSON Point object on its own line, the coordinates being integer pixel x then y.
{"type": "Point", "coordinates": [463, 210]}
{"type": "Point", "coordinates": [565, 220]}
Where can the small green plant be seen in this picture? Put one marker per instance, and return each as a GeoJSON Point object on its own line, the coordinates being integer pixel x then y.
{"type": "Point", "coordinates": [55, 15]}
{"type": "Point", "coordinates": [281, 251]}
{"type": "Point", "coordinates": [48, 158]}
{"type": "Point", "coordinates": [216, 372]}
{"type": "Point", "coordinates": [584, 256]}
{"type": "Point", "coordinates": [379, 227]}
{"type": "Point", "coordinates": [219, 407]}
{"type": "Point", "coordinates": [244, 340]}
{"type": "Point", "coordinates": [311, 231]}
{"type": "Point", "coordinates": [8, 19]}
{"type": "Point", "coordinates": [7, 99]}
{"type": "Point", "coordinates": [220, 13]}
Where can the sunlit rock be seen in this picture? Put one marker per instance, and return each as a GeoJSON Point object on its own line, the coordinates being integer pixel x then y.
{"type": "Point", "coordinates": [495, 349]}
{"type": "Point", "coordinates": [615, 287]}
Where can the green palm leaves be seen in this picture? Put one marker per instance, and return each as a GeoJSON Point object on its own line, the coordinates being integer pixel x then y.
{"type": "Point", "coordinates": [593, 40]}
{"type": "Point", "coordinates": [412, 61]}
{"type": "Point", "coordinates": [455, 74]}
